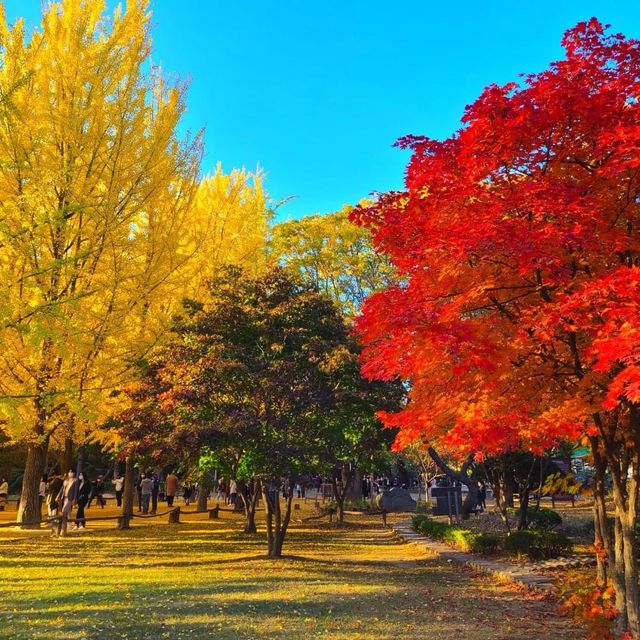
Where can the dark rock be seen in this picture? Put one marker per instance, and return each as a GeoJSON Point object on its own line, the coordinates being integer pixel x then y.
{"type": "Point", "coordinates": [396, 500]}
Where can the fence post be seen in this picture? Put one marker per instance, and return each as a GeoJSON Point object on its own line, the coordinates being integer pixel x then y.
{"type": "Point", "coordinates": [174, 516]}
{"type": "Point", "coordinates": [61, 528]}
{"type": "Point", "coordinates": [213, 513]}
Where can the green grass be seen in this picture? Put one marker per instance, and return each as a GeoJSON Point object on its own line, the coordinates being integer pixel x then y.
{"type": "Point", "coordinates": [207, 580]}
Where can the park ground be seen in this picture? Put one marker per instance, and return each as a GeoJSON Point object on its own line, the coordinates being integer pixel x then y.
{"type": "Point", "coordinates": [205, 579]}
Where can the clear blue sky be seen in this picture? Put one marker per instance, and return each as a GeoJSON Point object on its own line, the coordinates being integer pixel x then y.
{"type": "Point", "coordinates": [316, 91]}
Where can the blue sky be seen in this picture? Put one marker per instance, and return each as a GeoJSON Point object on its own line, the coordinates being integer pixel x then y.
{"type": "Point", "coordinates": [316, 91]}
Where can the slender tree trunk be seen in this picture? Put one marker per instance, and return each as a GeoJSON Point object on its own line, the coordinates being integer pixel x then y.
{"type": "Point", "coordinates": [340, 493]}
{"type": "Point", "coordinates": [277, 522]}
{"type": "Point", "coordinates": [67, 456]}
{"type": "Point", "coordinates": [29, 510]}
{"type": "Point", "coordinates": [127, 498]}
{"type": "Point", "coordinates": [268, 516]}
{"type": "Point", "coordinates": [602, 534]}
{"type": "Point", "coordinates": [250, 504]}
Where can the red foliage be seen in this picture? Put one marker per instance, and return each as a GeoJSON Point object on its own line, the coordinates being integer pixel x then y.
{"type": "Point", "coordinates": [516, 242]}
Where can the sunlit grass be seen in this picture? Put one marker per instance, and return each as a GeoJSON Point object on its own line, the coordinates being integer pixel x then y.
{"type": "Point", "coordinates": [205, 579]}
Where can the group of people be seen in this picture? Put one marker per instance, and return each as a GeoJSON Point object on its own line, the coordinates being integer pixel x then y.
{"type": "Point", "coordinates": [148, 490]}
{"type": "Point", "coordinates": [62, 494]}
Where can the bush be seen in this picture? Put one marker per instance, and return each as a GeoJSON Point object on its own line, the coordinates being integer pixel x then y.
{"type": "Point", "coordinates": [462, 539]}
{"type": "Point", "coordinates": [540, 518]}
{"type": "Point", "coordinates": [537, 544]}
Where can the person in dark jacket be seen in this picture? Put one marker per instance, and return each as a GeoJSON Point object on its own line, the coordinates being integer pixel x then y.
{"type": "Point", "coordinates": [97, 491]}
{"type": "Point", "coordinates": [84, 493]}
{"type": "Point", "coordinates": [67, 497]}
{"type": "Point", "coordinates": [155, 492]}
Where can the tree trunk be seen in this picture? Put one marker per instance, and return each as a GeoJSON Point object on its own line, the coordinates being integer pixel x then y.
{"type": "Point", "coordinates": [341, 490]}
{"type": "Point", "coordinates": [466, 476]}
{"type": "Point", "coordinates": [250, 503]}
{"type": "Point", "coordinates": [355, 485]}
{"type": "Point", "coordinates": [277, 522]}
{"type": "Point", "coordinates": [29, 510]}
{"type": "Point", "coordinates": [202, 497]}
{"type": "Point", "coordinates": [127, 498]}
{"type": "Point", "coordinates": [67, 456]}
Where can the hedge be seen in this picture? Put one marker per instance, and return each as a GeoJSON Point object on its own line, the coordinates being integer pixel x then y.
{"type": "Point", "coordinates": [457, 537]}
{"type": "Point", "coordinates": [537, 544]}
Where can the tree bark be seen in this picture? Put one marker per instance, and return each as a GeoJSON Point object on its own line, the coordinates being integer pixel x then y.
{"type": "Point", "coordinates": [202, 498]}
{"type": "Point", "coordinates": [277, 522]}
{"type": "Point", "coordinates": [29, 510]}
{"type": "Point", "coordinates": [340, 494]}
{"type": "Point", "coordinates": [67, 456]}
{"type": "Point", "coordinates": [250, 504]}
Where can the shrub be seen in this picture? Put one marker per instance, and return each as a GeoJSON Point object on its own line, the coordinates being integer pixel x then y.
{"type": "Point", "coordinates": [540, 518]}
{"type": "Point", "coordinates": [537, 544]}
{"type": "Point", "coordinates": [462, 539]}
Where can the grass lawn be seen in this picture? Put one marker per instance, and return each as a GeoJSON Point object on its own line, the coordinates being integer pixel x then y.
{"type": "Point", "coordinates": [204, 579]}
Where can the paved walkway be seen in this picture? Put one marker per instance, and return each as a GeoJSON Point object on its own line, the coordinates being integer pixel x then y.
{"type": "Point", "coordinates": [503, 571]}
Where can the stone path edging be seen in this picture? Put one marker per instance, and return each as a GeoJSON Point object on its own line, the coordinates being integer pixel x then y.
{"type": "Point", "coordinates": [501, 570]}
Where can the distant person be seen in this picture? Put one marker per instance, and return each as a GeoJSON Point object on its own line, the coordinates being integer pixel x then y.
{"type": "Point", "coordinates": [187, 492]}
{"type": "Point", "coordinates": [118, 485]}
{"type": "Point", "coordinates": [42, 492]}
{"type": "Point", "coordinates": [233, 492]}
{"type": "Point", "coordinates": [141, 476]}
{"type": "Point", "coordinates": [55, 484]}
{"type": "Point", "coordinates": [155, 493]}
{"type": "Point", "coordinates": [4, 493]}
{"type": "Point", "coordinates": [84, 493]}
{"type": "Point", "coordinates": [365, 488]}
{"type": "Point", "coordinates": [67, 497]}
{"type": "Point", "coordinates": [482, 495]}
{"type": "Point", "coordinates": [171, 488]}
{"type": "Point", "coordinates": [146, 488]}
{"type": "Point", "coordinates": [97, 492]}
{"type": "Point", "coordinates": [222, 489]}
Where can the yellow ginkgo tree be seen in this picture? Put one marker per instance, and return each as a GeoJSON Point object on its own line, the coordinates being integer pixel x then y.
{"type": "Point", "coordinates": [96, 193]}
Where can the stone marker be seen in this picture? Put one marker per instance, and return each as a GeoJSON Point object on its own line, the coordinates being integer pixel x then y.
{"type": "Point", "coordinates": [395, 500]}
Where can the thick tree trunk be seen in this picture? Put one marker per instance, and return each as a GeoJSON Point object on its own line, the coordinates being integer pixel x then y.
{"type": "Point", "coordinates": [29, 510]}
{"type": "Point", "coordinates": [127, 498]}
{"type": "Point", "coordinates": [202, 498]}
{"type": "Point", "coordinates": [354, 491]}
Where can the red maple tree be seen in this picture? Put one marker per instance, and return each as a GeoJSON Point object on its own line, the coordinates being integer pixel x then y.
{"type": "Point", "coordinates": [516, 320]}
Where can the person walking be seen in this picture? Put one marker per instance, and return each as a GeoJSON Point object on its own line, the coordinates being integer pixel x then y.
{"type": "Point", "coordinates": [222, 489]}
{"type": "Point", "coordinates": [84, 493]}
{"type": "Point", "coordinates": [4, 492]}
{"type": "Point", "coordinates": [67, 497]}
{"type": "Point", "coordinates": [187, 492]}
{"type": "Point", "coordinates": [171, 488]}
{"type": "Point", "coordinates": [97, 492]}
{"type": "Point", "coordinates": [118, 485]}
{"type": "Point", "coordinates": [155, 492]}
{"type": "Point", "coordinates": [141, 476]}
{"type": "Point", "coordinates": [42, 492]}
{"type": "Point", "coordinates": [146, 489]}
{"type": "Point", "coordinates": [233, 492]}
{"type": "Point", "coordinates": [53, 489]}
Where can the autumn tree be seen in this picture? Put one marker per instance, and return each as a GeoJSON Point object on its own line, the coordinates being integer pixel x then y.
{"type": "Point", "coordinates": [516, 242]}
{"type": "Point", "coordinates": [334, 254]}
{"type": "Point", "coordinates": [95, 190]}
{"type": "Point", "coordinates": [250, 375]}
